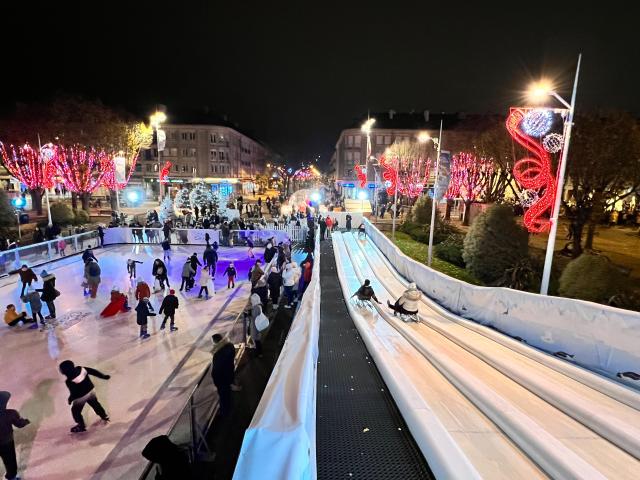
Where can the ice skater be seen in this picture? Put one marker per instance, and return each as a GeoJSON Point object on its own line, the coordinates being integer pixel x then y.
{"type": "Point", "coordinates": [166, 249]}
{"type": "Point", "coordinates": [143, 311]}
{"type": "Point", "coordinates": [407, 304]}
{"type": "Point", "coordinates": [33, 299]}
{"type": "Point", "coordinates": [187, 273]}
{"type": "Point", "coordinates": [169, 306]}
{"type": "Point", "coordinates": [231, 273]}
{"type": "Point", "coordinates": [81, 391]}
{"type": "Point", "coordinates": [26, 277]}
{"type": "Point", "coordinates": [9, 419]}
{"type": "Point", "coordinates": [62, 245]}
{"type": "Point", "coordinates": [49, 292]}
{"type": "Point", "coordinates": [131, 267]}
{"type": "Point", "coordinates": [205, 284]}
{"type": "Point", "coordinates": [87, 254]}
{"type": "Point", "coordinates": [142, 290]}
{"type": "Point", "coordinates": [119, 303]}
{"type": "Point", "coordinates": [159, 271]}
{"type": "Point", "coordinates": [13, 318]}
{"type": "Point", "coordinates": [92, 276]}
{"type": "Point", "coordinates": [250, 248]}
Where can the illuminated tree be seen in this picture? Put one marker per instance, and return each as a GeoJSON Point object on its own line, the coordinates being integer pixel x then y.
{"type": "Point", "coordinates": [181, 201]}
{"type": "Point", "coordinates": [201, 195]}
{"type": "Point", "coordinates": [82, 170]}
{"type": "Point", "coordinates": [406, 165]}
{"type": "Point", "coordinates": [471, 175]}
{"type": "Point", "coordinates": [26, 164]}
{"type": "Point", "coordinates": [166, 210]}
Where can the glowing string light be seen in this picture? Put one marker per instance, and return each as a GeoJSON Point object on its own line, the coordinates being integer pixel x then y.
{"type": "Point", "coordinates": [553, 142]}
{"type": "Point", "coordinates": [537, 122]}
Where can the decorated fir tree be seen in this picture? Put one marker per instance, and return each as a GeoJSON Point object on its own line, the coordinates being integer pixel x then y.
{"type": "Point", "coordinates": [166, 210]}
{"type": "Point", "coordinates": [201, 195]}
{"type": "Point", "coordinates": [181, 201]}
{"type": "Point", "coordinates": [215, 203]}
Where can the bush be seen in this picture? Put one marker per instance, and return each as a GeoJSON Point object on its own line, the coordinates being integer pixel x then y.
{"type": "Point", "coordinates": [591, 277]}
{"type": "Point", "coordinates": [495, 243]}
{"type": "Point", "coordinates": [450, 249]}
{"type": "Point", "coordinates": [81, 217]}
{"type": "Point", "coordinates": [421, 211]}
{"type": "Point", "coordinates": [61, 213]}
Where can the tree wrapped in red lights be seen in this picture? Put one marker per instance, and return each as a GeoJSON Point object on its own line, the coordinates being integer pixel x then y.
{"type": "Point", "coordinates": [30, 168]}
{"type": "Point", "coordinates": [82, 170]}
{"type": "Point", "coordinates": [452, 192]}
{"type": "Point", "coordinates": [406, 165]}
{"type": "Point", "coordinates": [470, 177]}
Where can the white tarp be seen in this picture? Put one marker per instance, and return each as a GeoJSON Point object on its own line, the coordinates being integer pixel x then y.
{"type": "Point", "coordinates": [601, 338]}
{"type": "Point", "coordinates": [280, 441]}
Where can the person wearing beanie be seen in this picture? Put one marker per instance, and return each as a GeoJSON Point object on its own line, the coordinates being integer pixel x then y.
{"type": "Point", "coordinates": [143, 311]}
{"type": "Point", "coordinates": [9, 419]}
{"type": "Point", "coordinates": [26, 277]}
{"type": "Point", "coordinates": [169, 306]}
{"type": "Point", "coordinates": [33, 299]}
{"type": "Point", "coordinates": [49, 292]}
{"type": "Point", "coordinates": [81, 391]}
{"type": "Point", "coordinates": [231, 273]}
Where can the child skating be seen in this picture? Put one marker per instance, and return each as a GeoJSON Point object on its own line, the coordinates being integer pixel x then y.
{"type": "Point", "coordinates": [33, 299]}
{"type": "Point", "coordinates": [131, 267]}
{"type": "Point", "coordinates": [143, 311]}
{"type": "Point", "coordinates": [81, 391]}
{"type": "Point", "coordinates": [231, 273]}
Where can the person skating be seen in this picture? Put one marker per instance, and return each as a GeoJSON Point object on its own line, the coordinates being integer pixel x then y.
{"type": "Point", "coordinates": [92, 276]}
{"type": "Point", "coordinates": [143, 312]}
{"type": "Point", "coordinates": [205, 284]}
{"type": "Point", "coordinates": [365, 293]}
{"type": "Point", "coordinates": [62, 245]}
{"type": "Point", "coordinates": [195, 263]}
{"type": "Point", "coordinates": [33, 299]}
{"type": "Point", "coordinates": [49, 292]}
{"type": "Point", "coordinates": [9, 419]}
{"type": "Point", "coordinates": [142, 290]}
{"type": "Point", "coordinates": [407, 304]}
{"type": "Point", "coordinates": [187, 273]}
{"type": "Point", "coordinates": [169, 306]}
{"type": "Point", "coordinates": [166, 249]}
{"type": "Point", "coordinates": [101, 235]}
{"type": "Point", "coordinates": [81, 392]}
{"type": "Point", "coordinates": [13, 318]}
{"type": "Point", "coordinates": [131, 267]}
{"type": "Point", "coordinates": [250, 248]}
{"type": "Point", "coordinates": [159, 271]}
{"type": "Point", "coordinates": [223, 371]}
{"type": "Point", "coordinates": [119, 303]}
{"type": "Point", "coordinates": [210, 259]}
{"type": "Point", "coordinates": [88, 254]}
{"type": "Point", "coordinates": [26, 277]}
{"type": "Point", "coordinates": [231, 273]}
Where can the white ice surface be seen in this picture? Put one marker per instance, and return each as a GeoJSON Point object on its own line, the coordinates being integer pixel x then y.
{"type": "Point", "coordinates": [150, 380]}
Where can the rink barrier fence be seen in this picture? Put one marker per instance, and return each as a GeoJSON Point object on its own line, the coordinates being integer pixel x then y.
{"type": "Point", "coordinates": [598, 337]}
{"type": "Point", "coordinates": [196, 236]}
{"type": "Point", "coordinates": [280, 441]}
{"type": "Point", "coordinates": [45, 252]}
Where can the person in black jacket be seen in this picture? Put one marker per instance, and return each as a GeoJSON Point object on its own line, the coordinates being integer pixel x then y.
{"type": "Point", "coordinates": [143, 311]}
{"type": "Point", "coordinates": [275, 282]}
{"type": "Point", "coordinates": [365, 293]}
{"type": "Point", "coordinates": [223, 370]}
{"type": "Point", "coordinates": [81, 391]}
{"type": "Point", "coordinates": [169, 306]}
{"type": "Point", "coordinates": [210, 259]}
{"type": "Point", "coordinates": [8, 420]}
{"type": "Point", "coordinates": [87, 254]}
{"type": "Point", "coordinates": [49, 292]}
{"type": "Point", "coordinates": [173, 462]}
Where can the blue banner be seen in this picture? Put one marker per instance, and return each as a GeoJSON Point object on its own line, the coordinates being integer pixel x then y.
{"type": "Point", "coordinates": [443, 175]}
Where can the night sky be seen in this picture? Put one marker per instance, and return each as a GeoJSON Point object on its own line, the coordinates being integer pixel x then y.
{"type": "Point", "coordinates": [295, 73]}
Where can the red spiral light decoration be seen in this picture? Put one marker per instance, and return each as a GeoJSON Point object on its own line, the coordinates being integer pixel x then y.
{"type": "Point", "coordinates": [361, 172]}
{"type": "Point", "coordinates": [533, 173]}
{"type": "Point", "coordinates": [164, 172]}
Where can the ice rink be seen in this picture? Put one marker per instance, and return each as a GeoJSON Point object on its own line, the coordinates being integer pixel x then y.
{"type": "Point", "coordinates": [150, 379]}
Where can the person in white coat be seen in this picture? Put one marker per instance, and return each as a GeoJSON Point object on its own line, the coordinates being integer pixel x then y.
{"type": "Point", "coordinates": [407, 304]}
{"type": "Point", "coordinates": [288, 281]}
{"type": "Point", "coordinates": [297, 273]}
{"type": "Point", "coordinates": [206, 284]}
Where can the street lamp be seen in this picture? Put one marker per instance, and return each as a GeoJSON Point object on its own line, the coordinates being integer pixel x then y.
{"type": "Point", "coordinates": [538, 92]}
{"type": "Point", "coordinates": [156, 120]}
{"type": "Point", "coordinates": [424, 137]}
{"type": "Point", "coordinates": [366, 129]}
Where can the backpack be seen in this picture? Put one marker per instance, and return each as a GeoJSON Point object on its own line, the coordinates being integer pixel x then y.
{"type": "Point", "coordinates": [261, 322]}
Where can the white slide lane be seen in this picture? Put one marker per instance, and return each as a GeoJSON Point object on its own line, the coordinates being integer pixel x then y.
{"type": "Point", "coordinates": [570, 424]}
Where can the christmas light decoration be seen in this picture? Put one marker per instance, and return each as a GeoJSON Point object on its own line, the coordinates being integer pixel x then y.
{"type": "Point", "coordinates": [361, 173]}
{"type": "Point", "coordinates": [164, 172]}
{"type": "Point", "coordinates": [405, 167]}
{"type": "Point", "coordinates": [166, 210]}
{"type": "Point", "coordinates": [533, 173]}
{"type": "Point", "coordinates": [528, 197]}
{"type": "Point", "coordinates": [181, 202]}
{"type": "Point", "coordinates": [201, 195]}
{"type": "Point", "coordinates": [27, 165]}
{"type": "Point", "coordinates": [109, 179]}
{"type": "Point", "coordinates": [470, 176]}
{"type": "Point", "coordinates": [537, 122]}
{"type": "Point", "coordinates": [553, 142]}
{"type": "Point", "coordinates": [82, 169]}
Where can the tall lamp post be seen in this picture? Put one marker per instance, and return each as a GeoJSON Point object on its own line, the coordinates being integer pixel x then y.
{"type": "Point", "coordinates": [423, 138]}
{"type": "Point", "coordinates": [366, 129]}
{"type": "Point", "coordinates": [537, 93]}
{"type": "Point", "coordinates": [156, 120]}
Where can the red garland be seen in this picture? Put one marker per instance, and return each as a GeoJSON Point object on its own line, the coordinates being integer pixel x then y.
{"type": "Point", "coordinates": [533, 173]}
{"type": "Point", "coordinates": [410, 178]}
{"type": "Point", "coordinates": [164, 173]}
{"type": "Point", "coordinates": [361, 172]}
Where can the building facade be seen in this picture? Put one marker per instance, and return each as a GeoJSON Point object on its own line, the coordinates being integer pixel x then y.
{"type": "Point", "coordinates": [217, 154]}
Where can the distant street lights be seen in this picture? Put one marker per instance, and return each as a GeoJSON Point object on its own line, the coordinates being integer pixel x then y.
{"type": "Point", "coordinates": [537, 93]}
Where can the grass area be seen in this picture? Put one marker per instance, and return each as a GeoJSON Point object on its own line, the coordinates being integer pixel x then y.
{"type": "Point", "coordinates": [418, 251]}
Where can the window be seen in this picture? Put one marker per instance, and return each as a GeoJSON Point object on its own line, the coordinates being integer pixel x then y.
{"type": "Point", "coordinates": [213, 154]}
{"type": "Point", "coordinates": [387, 139]}
{"type": "Point", "coordinates": [149, 167]}
{"type": "Point", "coordinates": [192, 152]}
{"type": "Point", "coordinates": [138, 167]}
{"type": "Point", "coordinates": [356, 157]}
{"type": "Point", "coordinates": [221, 155]}
{"type": "Point", "coordinates": [213, 137]}
{"type": "Point", "coordinates": [192, 135]}
{"type": "Point", "coordinates": [379, 139]}
{"type": "Point", "coordinates": [185, 152]}
{"type": "Point", "coordinates": [176, 168]}
{"type": "Point", "coordinates": [173, 135]}
{"type": "Point", "coordinates": [174, 151]}
{"type": "Point", "coordinates": [184, 135]}
{"type": "Point", "coordinates": [357, 140]}
{"type": "Point", "coordinates": [184, 169]}
{"type": "Point", "coordinates": [349, 140]}
{"type": "Point", "coordinates": [349, 157]}
{"type": "Point", "coordinates": [193, 170]}
{"type": "Point", "coordinates": [155, 167]}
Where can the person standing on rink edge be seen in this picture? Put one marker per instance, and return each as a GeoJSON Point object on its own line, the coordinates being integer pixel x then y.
{"type": "Point", "coordinates": [8, 420]}
{"type": "Point", "coordinates": [81, 391]}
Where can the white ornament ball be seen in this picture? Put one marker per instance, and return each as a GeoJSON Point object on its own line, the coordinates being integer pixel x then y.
{"type": "Point", "coordinates": [537, 122]}
{"type": "Point", "coordinates": [553, 142]}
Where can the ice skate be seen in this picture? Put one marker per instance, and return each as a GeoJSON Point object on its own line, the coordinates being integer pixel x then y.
{"type": "Point", "coordinates": [78, 429]}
